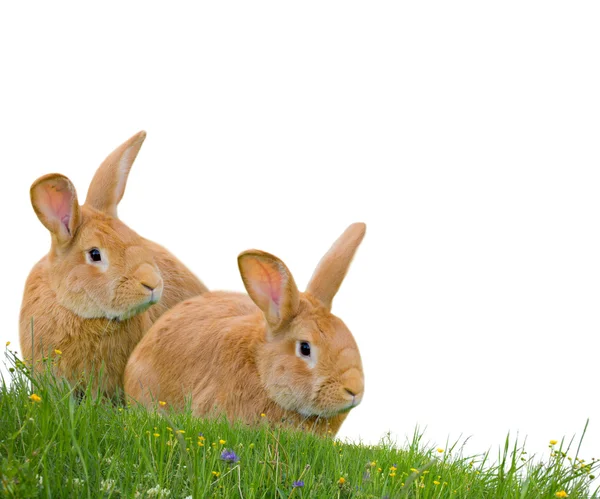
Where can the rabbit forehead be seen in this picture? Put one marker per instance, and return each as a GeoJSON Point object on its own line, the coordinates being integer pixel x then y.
{"type": "Point", "coordinates": [106, 232]}
{"type": "Point", "coordinates": [317, 324]}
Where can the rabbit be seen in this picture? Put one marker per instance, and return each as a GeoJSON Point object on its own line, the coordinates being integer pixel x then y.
{"type": "Point", "coordinates": [89, 301]}
{"type": "Point", "coordinates": [275, 352]}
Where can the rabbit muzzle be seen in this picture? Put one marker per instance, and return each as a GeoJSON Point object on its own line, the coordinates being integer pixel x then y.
{"type": "Point", "coordinates": [353, 386]}
{"type": "Point", "coordinates": [150, 283]}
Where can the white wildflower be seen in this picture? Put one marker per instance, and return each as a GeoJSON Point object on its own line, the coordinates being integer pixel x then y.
{"type": "Point", "coordinates": [77, 482]}
{"type": "Point", "coordinates": [107, 485]}
{"type": "Point", "coordinates": [158, 491]}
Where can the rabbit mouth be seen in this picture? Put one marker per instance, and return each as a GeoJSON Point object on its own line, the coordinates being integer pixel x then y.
{"type": "Point", "coordinates": [329, 412]}
{"type": "Point", "coordinates": [133, 311]}
{"type": "Point", "coordinates": [348, 408]}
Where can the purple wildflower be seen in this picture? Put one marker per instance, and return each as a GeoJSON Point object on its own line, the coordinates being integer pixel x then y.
{"type": "Point", "coordinates": [229, 456]}
{"type": "Point", "coordinates": [298, 483]}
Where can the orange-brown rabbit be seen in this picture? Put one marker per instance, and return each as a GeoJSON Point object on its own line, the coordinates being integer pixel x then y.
{"type": "Point", "coordinates": [90, 300]}
{"type": "Point", "coordinates": [277, 351]}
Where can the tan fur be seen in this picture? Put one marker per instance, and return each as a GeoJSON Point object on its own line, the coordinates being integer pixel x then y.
{"type": "Point", "coordinates": [238, 355]}
{"type": "Point", "coordinates": [95, 313]}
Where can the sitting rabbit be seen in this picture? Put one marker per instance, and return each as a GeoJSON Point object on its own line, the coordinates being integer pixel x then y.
{"type": "Point", "coordinates": [90, 300]}
{"type": "Point", "coordinates": [276, 352]}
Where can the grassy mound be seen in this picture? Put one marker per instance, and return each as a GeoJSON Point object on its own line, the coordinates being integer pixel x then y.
{"type": "Point", "coordinates": [52, 445]}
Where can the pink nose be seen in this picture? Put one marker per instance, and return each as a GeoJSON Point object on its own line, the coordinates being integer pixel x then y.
{"type": "Point", "coordinates": [353, 385]}
{"type": "Point", "coordinates": [150, 280]}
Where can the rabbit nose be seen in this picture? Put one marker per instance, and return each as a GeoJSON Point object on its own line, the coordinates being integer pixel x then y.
{"type": "Point", "coordinates": [150, 279]}
{"type": "Point", "coordinates": [355, 394]}
{"type": "Point", "coordinates": [353, 386]}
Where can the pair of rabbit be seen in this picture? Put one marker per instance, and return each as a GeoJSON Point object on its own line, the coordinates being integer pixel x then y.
{"type": "Point", "coordinates": [106, 298]}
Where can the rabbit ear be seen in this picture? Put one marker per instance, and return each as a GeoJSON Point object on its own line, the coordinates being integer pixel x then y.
{"type": "Point", "coordinates": [108, 184]}
{"type": "Point", "coordinates": [54, 200]}
{"type": "Point", "coordinates": [270, 285]}
{"type": "Point", "coordinates": [329, 274]}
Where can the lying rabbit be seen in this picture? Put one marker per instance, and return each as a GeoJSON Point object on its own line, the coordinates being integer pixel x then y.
{"type": "Point", "coordinates": [90, 300]}
{"type": "Point", "coordinates": [276, 352]}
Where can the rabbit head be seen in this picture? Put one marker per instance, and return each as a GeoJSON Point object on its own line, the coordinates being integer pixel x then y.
{"type": "Point", "coordinates": [98, 267]}
{"type": "Point", "coordinates": [309, 362]}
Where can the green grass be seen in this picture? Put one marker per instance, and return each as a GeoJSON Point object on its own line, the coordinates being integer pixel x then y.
{"type": "Point", "coordinates": [61, 447]}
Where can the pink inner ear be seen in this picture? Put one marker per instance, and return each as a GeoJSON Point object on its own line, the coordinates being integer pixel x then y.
{"type": "Point", "coordinates": [57, 202]}
{"type": "Point", "coordinates": [266, 280]}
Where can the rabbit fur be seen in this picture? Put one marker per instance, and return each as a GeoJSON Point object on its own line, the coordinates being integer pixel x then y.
{"type": "Point", "coordinates": [89, 301]}
{"type": "Point", "coordinates": [275, 351]}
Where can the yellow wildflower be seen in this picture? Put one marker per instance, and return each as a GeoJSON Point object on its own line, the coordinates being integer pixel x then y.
{"type": "Point", "coordinates": [222, 442]}
{"type": "Point", "coordinates": [393, 468]}
{"type": "Point", "coordinates": [251, 446]}
{"type": "Point", "coordinates": [554, 442]}
{"type": "Point", "coordinates": [435, 482]}
{"type": "Point", "coordinates": [216, 473]}
{"type": "Point", "coordinates": [414, 470]}
{"type": "Point", "coordinates": [201, 437]}
{"type": "Point", "coordinates": [263, 415]}
{"type": "Point", "coordinates": [162, 403]}
{"type": "Point", "coordinates": [57, 351]}
{"type": "Point", "coordinates": [169, 428]}
{"type": "Point", "coordinates": [392, 474]}
{"type": "Point", "coordinates": [156, 434]}
{"type": "Point", "coordinates": [561, 493]}
{"type": "Point", "coordinates": [181, 431]}
{"type": "Point", "coordinates": [35, 398]}
{"type": "Point", "coordinates": [342, 480]}
{"type": "Point", "coordinates": [7, 343]}
{"type": "Point", "coordinates": [440, 450]}
{"type": "Point", "coordinates": [373, 463]}
{"type": "Point", "coordinates": [379, 470]}
{"type": "Point", "coordinates": [200, 443]}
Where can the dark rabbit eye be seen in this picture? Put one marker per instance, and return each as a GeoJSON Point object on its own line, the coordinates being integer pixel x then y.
{"type": "Point", "coordinates": [95, 255]}
{"type": "Point", "coordinates": [305, 349]}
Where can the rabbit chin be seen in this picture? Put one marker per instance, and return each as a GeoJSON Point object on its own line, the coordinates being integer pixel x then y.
{"type": "Point", "coordinates": [329, 412]}
{"type": "Point", "coordinates": [131, 312]}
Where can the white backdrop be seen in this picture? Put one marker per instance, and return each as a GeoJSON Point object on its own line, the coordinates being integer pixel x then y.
{"type": "Point", "coordinates": [464, 135]}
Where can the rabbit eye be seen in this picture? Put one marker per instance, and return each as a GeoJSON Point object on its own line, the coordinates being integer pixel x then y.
{"type": "Point", "coordinates": [95, 255]}
{"type": "Point", "coordinates": [305, 349]}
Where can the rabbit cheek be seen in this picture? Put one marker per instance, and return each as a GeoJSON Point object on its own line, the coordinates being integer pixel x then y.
{"type": "Point", "coordinates": [293, 388]}
{"type": "Point", "coordinates": [332, 399]}
{"type": "Point", "coordinates": [75, 281]}
{"type": "Point", "coordinates": [73, 294]}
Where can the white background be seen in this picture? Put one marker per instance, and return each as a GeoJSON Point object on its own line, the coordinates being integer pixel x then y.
{"type": "Point", "coordinates": [466, 136]}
